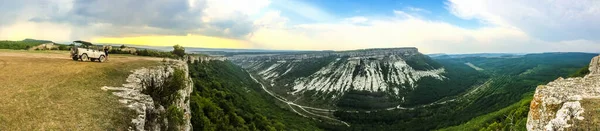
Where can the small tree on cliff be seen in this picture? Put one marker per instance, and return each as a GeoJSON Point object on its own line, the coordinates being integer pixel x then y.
{"type": "Point", "coordinates": [178, 50]}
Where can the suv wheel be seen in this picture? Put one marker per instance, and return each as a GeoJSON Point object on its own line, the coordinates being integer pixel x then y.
{"type": "Point", "coordinates": [84, 57]}
{"type": "Point", "coordinates": [101, 59]}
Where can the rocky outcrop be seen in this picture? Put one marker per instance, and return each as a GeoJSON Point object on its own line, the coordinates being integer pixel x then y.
{"type": "Point", "coordinates": [595, 66]}
{"type": "Point", "coordinates": [558, 105]}
{"type": "Point", "coordinates": [333, 74]}
{"type": "Point", "coordinates": [132, 95]}
{"type": "Point", "coordinates": [202, 58]}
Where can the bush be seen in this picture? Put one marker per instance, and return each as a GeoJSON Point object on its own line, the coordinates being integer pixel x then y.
{"type": "Point", "coordinates": [179, 51]}
{"type": "Point", "coordinates": [165, 93]}
{"type": "Point", "coordinates": [175, 117]}
{"type": "Point", "coordinates": [581, 72]}
{"type": "Point", "coordinates": [63, 47]}
{"type": "Point", "coordinates": [19, 45]}
{"type": "Point", "coordinates": [154, 53]}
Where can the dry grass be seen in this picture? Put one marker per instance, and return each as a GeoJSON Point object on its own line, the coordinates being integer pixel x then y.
{"type": "Point", "coordinates": [46, 90]}
{"type": "Point", "coordinates": [591, 116]}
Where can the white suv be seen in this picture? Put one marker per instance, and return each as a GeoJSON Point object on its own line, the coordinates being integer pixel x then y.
{"type": "Point", "coordinates": [86, 51]}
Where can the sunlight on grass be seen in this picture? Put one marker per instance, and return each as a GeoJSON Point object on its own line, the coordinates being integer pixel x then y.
{"type": "Point", "coordinates": [45, 90]}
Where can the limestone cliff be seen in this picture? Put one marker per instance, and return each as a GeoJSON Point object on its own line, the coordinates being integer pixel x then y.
{"type": "Point", "coordinates": [147, 110]}
{"type": "Point", "coordinates": [567, 104]}
{"type": "Point", "coordinates": [392, 73]}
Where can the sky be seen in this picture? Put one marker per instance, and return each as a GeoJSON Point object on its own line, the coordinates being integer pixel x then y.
{"type": "Point", "coordinates": [433, 26]}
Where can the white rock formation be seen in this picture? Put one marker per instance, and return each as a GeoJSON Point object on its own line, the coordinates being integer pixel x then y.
{"type": "Point", "coordinates": [373, 70]}
{"type": "Point", "coordinates": [341, 77]}
{"type": "Point", "coordinates": [556, 105]}
{"type": "Point", "coordinates": [131, 95]}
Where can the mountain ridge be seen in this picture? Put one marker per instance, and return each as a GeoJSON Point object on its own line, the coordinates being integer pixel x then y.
{"type": "Point", "coordinates": [329, 75]}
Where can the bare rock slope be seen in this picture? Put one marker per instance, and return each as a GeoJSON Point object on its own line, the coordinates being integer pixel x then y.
{"type": "Point", "coordinates": [391, 70]}
{"type": "Point", "coordinates": [567, 104]}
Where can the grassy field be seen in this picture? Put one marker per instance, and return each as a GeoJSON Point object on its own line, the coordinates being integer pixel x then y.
{"type": "Point", "coordinates": [46, 90]}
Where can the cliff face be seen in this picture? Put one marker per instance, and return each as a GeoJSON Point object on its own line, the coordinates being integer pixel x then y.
{"type": "Point", "coordinates": [567, 104]}
{"type": "Point", "coordinates": [132, 95]}
{"type": "Point", "coordinates": [393, 71]}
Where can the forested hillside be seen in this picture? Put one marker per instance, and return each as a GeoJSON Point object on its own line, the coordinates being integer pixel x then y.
{"type": "Point", "coordinates": [226, 98]}
{"type": "Point", "coordinates": [513, 117]}
{"type": "Point", "coordinates": [477, 93]}
{"type": "Point", "coordinates": [21, 45]}
{"type": "Point", "coordinates": [510, 80]}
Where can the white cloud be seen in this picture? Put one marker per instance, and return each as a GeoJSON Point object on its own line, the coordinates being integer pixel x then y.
{"type": "Point", "coordinates": [415, 9]}
{"type": "Point", "coordinates": [552, 20]}
{"type": "Point", "coordinates": [44, 30]}
{"type": "Point", "coordinates": [409, 31]}
{"type": "Point", "coordinates": [224, 9]}
{"type": "Point", "coordinates": [403, 14]}
{"type": "Point", "coordinates": [512, 26]}
{"type": "Point", "coordinates": [104, 18]}
{"type": "Point", "coordinates": [357, 19]}
{"type": "Point", "coordinates": [271, 19]}
{"type": "Point", "coordinates": [304, 10]}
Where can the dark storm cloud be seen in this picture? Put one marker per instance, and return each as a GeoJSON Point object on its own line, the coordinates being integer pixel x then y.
{"type": "Point", "coordinates": [172, 14]}
{"type": "Point", "coordinates": [167, 17]}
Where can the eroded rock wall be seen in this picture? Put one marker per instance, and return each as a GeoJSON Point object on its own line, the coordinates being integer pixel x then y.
{"type": "Point", "coordinates": [556, 106]}
{"type": "Point", "coordinates": [131, 95]}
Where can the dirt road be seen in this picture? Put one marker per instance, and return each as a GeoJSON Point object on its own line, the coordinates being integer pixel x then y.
{"type": "Point", "coordinates": [46, 90]}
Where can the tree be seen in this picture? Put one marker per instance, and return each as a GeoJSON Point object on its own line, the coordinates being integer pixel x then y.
{"type": "Point", "coordinates": [123, 46]}
{"type": "Point", "coordinates": [178, 50]}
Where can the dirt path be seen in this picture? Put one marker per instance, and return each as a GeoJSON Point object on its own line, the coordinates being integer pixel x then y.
{"type": "Point", "coordinates": [46, 90]}
{"type": "Point", "coordinates": [290, 104]}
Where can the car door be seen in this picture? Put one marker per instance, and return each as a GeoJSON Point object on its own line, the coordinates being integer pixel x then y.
{"type": "Point", "coordinates": [93, 52]}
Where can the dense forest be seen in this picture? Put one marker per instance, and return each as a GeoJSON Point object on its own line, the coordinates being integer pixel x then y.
{"type": "Point", "coordinates": [226, 98]}
{"type": "Point", "coordinates": [513, 117]}
{"type": "Point", "coordinates": [509, 86]}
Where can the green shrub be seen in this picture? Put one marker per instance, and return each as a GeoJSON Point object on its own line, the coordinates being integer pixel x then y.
{"type": "Point", "coordinates": [155, 53]}
{"type": "Point", "coordinates": [19, 45]}
{"type": "Point", "coordinates": [178, 50]}
{"type": "Point", "coordinates": [174, 116]}
{"type": "Point", "coordinates": [581, 72]}
{"type": "Point", "coordinates": [165, 93]}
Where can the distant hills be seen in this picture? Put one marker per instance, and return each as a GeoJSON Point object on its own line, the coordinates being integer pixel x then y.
{"type": "Point", "coordinates": [36, 41]}
{"type": "Point", "coordinates": [484, 55]}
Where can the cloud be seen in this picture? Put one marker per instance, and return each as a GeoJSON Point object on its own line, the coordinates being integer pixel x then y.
{"type": "Point", "coordinates": [405, 30]}
{"type": "Point", "coordinates": [551, 20]}
{"type": "Point", "coordinates": [186, 41]}
{"type": "Point", "coordinates": [513, 26]}
{"type": "Point", "coordinates": [304, 10]}
{"type": "Point", "coordinates": [415, 9]}
{"type": "Point", "coordinates": [125, 18]}
{"type": "Point", "coordinates": [357, 19]}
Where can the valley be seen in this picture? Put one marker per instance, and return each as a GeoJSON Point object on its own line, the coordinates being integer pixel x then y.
{"type": "Point", "coordinates": [300, 65]}
{"type": "Point", "coordinates": [392, 88]}
{"type": "Point", "coordinates": [331, 76]}
{"type": "Point", "coordinates": [411, 86]}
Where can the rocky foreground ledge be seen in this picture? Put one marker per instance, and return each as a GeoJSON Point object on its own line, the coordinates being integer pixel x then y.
{"type": "Point", "coordinates": [131, 95]}
{"type": "Point", "coordinates": [567, 104]}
